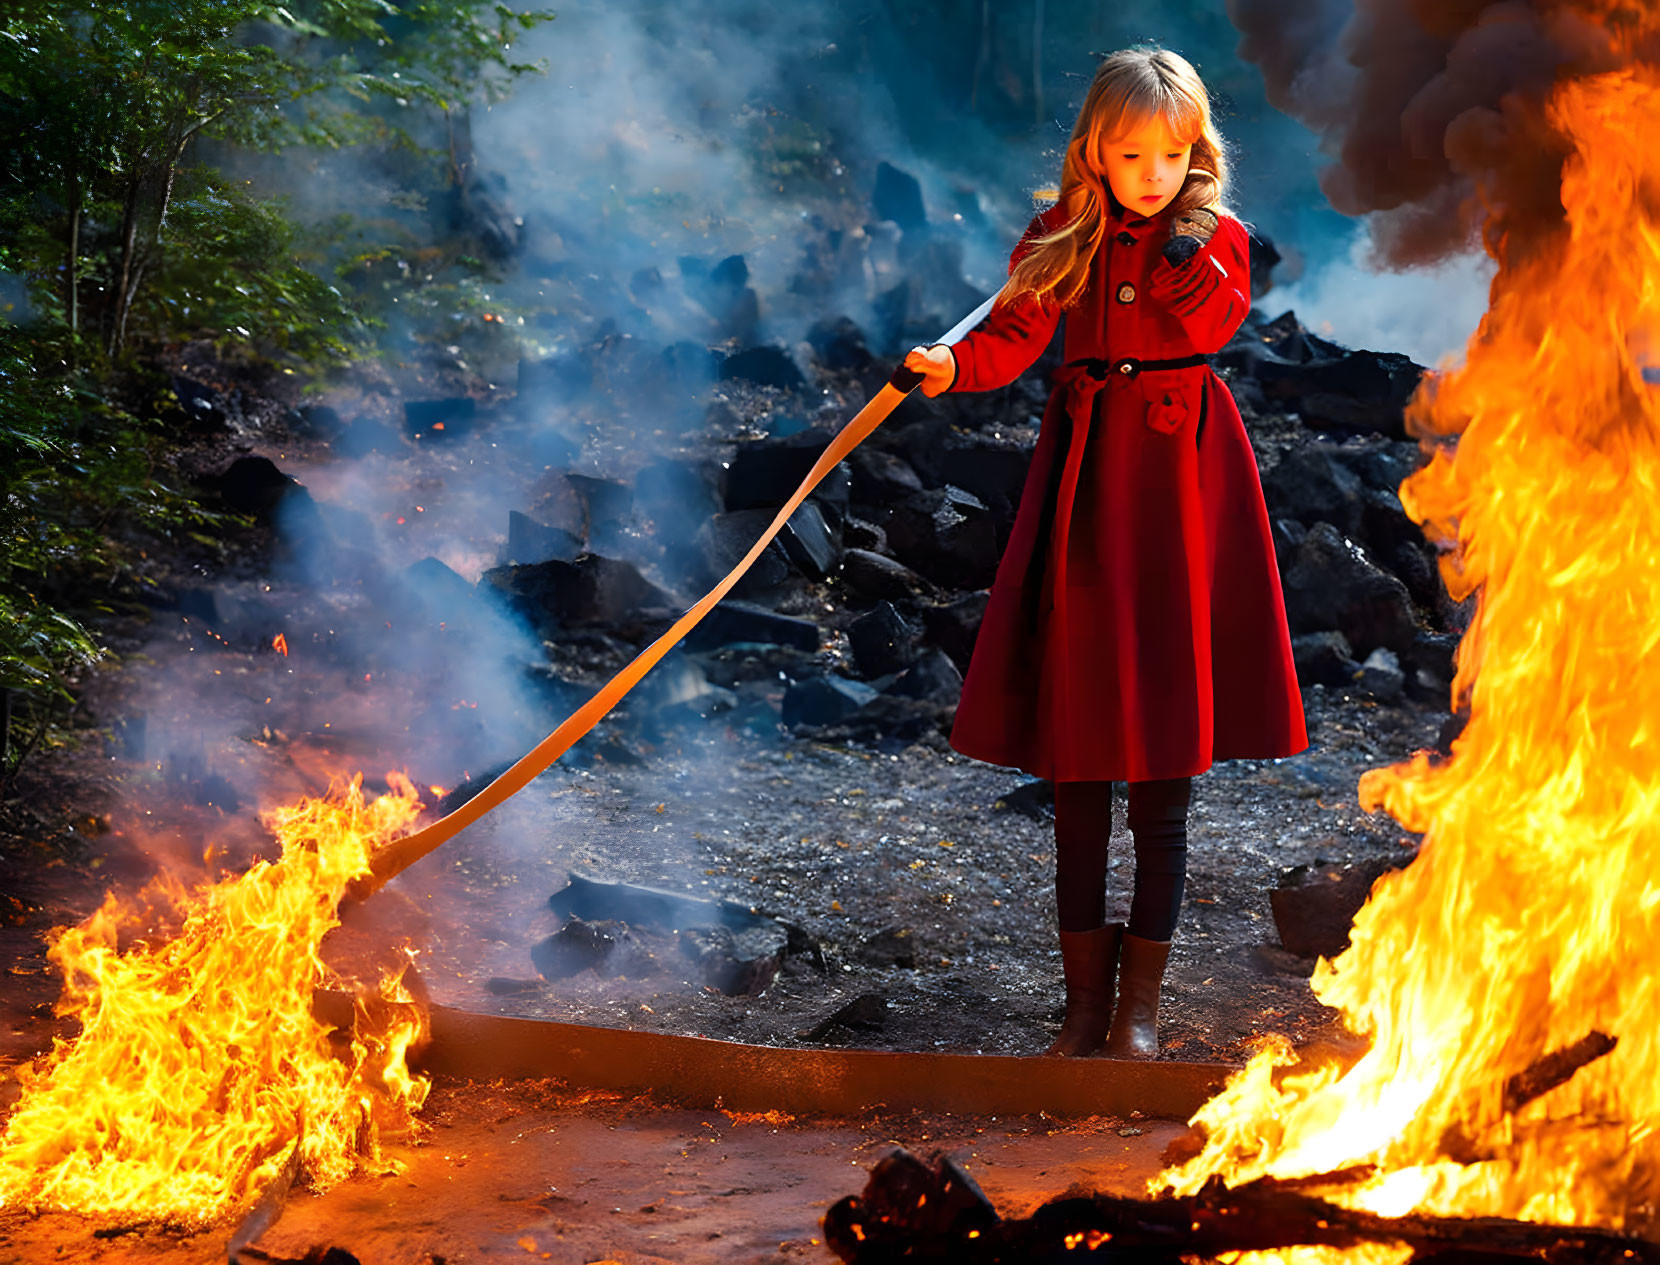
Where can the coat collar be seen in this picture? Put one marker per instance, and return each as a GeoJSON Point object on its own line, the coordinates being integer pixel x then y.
{"type": "Point", "coordinates": [1122, 221]}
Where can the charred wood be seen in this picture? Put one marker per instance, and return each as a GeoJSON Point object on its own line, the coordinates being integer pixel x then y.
{"type": "Point", "coordinates": [928, 1211]}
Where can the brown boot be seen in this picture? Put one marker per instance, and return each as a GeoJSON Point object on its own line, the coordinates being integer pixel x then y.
{"type": "Point", "coordinates": [1135, 1025]}
{"type": "Point", "coordinates": [1089, 960]}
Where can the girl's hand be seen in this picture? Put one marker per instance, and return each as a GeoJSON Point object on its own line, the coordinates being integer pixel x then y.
{"type": "Point", "coordinates": [936, 364]}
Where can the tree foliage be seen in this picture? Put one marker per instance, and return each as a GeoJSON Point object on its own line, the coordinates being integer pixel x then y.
{"type": "Point", "coordinates": [119, 233]}
{"type": "Point", "coordinates": [100, 104]}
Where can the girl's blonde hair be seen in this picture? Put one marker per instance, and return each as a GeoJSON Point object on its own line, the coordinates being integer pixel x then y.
{"type": "Point", "coordinates": [1130, 88]}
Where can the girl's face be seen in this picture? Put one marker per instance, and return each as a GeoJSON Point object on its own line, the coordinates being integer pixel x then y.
{"type": "Point", "coordinates": [1146, 167]}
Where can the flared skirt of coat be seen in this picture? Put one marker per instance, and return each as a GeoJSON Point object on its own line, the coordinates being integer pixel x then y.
{"type": "Point", "coordinates": [1136, 627]}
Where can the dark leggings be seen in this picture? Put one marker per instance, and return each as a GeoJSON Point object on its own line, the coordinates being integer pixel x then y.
{"type": "Point", "coordinates": [1083, 829]}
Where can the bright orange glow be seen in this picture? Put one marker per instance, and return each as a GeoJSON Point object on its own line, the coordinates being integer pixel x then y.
{"type": "Point", "coordinates": [200, 1062]}
{"type": "Point", "coordinates": [1530, 918]}
{"type": "Point", "coordinates": [279, 643]}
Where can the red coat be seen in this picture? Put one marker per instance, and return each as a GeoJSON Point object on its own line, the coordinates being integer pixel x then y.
{"type": "Point", "coordinates": [1136, 628]}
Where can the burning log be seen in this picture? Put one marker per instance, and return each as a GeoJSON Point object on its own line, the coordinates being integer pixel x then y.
{"type": "Point", "coordinates": [932, 1211]}
{"type": "Point", "coordinates": [1555, 1069]}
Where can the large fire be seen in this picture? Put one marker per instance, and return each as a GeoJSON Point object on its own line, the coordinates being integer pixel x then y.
{"type": "Point", "coordinates": [200, 1066]}
{"type": "Point", "coordinates": [1530, 919]}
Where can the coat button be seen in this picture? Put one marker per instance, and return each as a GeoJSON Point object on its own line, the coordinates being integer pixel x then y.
{"type": "Point", "coordinates": [1126, 293]}
{"type": "Point", "coordinates": [1126, 239]}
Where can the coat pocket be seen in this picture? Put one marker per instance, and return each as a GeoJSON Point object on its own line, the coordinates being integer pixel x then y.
{"type": "Point", "coordinates": [1167, 409]}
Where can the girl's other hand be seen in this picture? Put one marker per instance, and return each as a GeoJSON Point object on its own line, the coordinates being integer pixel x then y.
{"type": "Point", "coordinates": [936, 364]}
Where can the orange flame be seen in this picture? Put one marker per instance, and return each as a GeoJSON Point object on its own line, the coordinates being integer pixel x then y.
{"type": "Point", "coordinates": [279, 643]}
{"type": "Point", "coordinates": [1530, 917]}
{"type": "Point", "coordinates": [200, 1063]}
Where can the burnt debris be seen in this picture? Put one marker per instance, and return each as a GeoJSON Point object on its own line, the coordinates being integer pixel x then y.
{"type": "Point", "coordinates": [916, 1210]}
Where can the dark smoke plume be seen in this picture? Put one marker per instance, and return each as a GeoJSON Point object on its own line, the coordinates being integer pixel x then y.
{"type": "Point", "coordinates": [1433, 109]}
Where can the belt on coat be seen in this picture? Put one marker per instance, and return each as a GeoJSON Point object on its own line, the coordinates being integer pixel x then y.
{"type": "Point", "coordinates": [1129, 366]}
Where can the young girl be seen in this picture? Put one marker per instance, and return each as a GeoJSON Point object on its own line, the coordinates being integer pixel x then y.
{"type": "Point", "coordinates": [1136, 630]}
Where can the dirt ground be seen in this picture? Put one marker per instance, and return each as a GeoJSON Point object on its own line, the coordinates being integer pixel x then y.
{"type": "Point", "coordinates": [528, 1172]}
{"type": "Point", "coordinates": [849, 844]}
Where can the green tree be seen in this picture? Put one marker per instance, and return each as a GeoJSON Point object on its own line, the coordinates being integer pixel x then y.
{"type": "Point", "coordinates": [100, 103]}
{"type": "Point", "coordinates": [116, 228]}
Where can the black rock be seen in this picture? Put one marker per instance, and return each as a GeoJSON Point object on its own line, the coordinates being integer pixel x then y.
{"type": "Point", "coordinates": [606, 947]}
{"type": "Point", "coordinates": [764, 366]}
{"type": "Point", "coordinates": [1451, 729]}
{"type": "Point", "coordinates": [1264, 256]}
{"type": "Point", "coordinates": [679, 490]}
{"type": "Point", "coordinates": [440, 592]}
{"type": "Point", "coordinates": [891, 946]}
{"type": "Point", "coordinates": [1309, 486]}
{"type": "Point", "coordinates": [254, 486]}
{"type": "Point", "coordinates": [985, 463]}
{"type": "Point", "coordinates": [880, 477]}
{"type": "Point", "coordinates": [677, 692]}
{"type": "Point", "coordinates": [1434, 652]}
{"type": "Point", "coordinates": [1314, 907]}
{"type": "Point", "coordinates": [866, 1013]}
{"type": "Point", "coordinates": [948, 535]}
{"type": "Point", "coordinates": [608, 500]}
{"type": "Point", "coordinates": [765, 473]}
{"type": "Point", "coordinates": [1331, 386]}
{"type": "Point", "coordinates": [1415, 564]}
{"type": "Point", "coordinates": [529, 541]}
{"type": "Point", "coordinates": [874, 576]}
{"type": "Point", "coordinates": [933, 678]}
{"type": "Point", "coordinates": [202, 406]}
{"type": "Point", "coordinates": [649, 907]}
{"type": "Point", "coordinates": [1381, 676]}
{"type": "Point", "coordinates": [859, 533]}
{"type": "Point", "coordinates": [728, 966]}
{"type": "Point", "coordinates": [1382, 464]}
{"type": "Point", "coordinates": [724, 292]}
{"type": "Point", "coordinates": [723, 542]}
{"type": "Point", "coordinates": [1288, 535]}
{"type": "Point", "coordinates": [439, 419]}
{"type": "Point", "coordinates": [839, 344]}
{"type": "Point", "coordinates": [811, 542]}
{"type": "Point", "coordinates": [733, 621]}
{"type": "Point", "coordinates": [503, 986]}
{"type": "Point", "coordinates": [1324, 658]}
{"type": "Point", "coordinates": [955, 625]}
{"type": "Point", "coordinates": [898, 197]}
{"type": "Point", "coordinates": [591, 590]}
{"type": "Point", "coordinates": [825, 700]}
{"type": "Point", "coordinates": [1034, 798]}
{"type": "Point", "coordinates": [882, 641]}
{"type": "Point", "coordinates": [1331, 584]}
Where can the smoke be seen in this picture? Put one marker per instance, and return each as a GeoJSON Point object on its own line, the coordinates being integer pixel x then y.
{"type": "Point", "coordinates": [1429, 108]}
{"type": "Point", "coordinates": [1426, 313]}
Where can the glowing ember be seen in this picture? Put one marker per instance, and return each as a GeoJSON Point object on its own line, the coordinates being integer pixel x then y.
{"type": "Point", "coordinates": [200, 1062]}
{"type": "Point", "coordinates": [1529, 920]}
{"type": "Point", "coordinates": [279, 643]}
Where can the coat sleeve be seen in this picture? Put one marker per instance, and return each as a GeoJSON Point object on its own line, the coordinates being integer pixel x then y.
{"type": "Point", "coordinates": [1211, 293]}
{"type": "Point", "coordinates": [1009, 341]}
